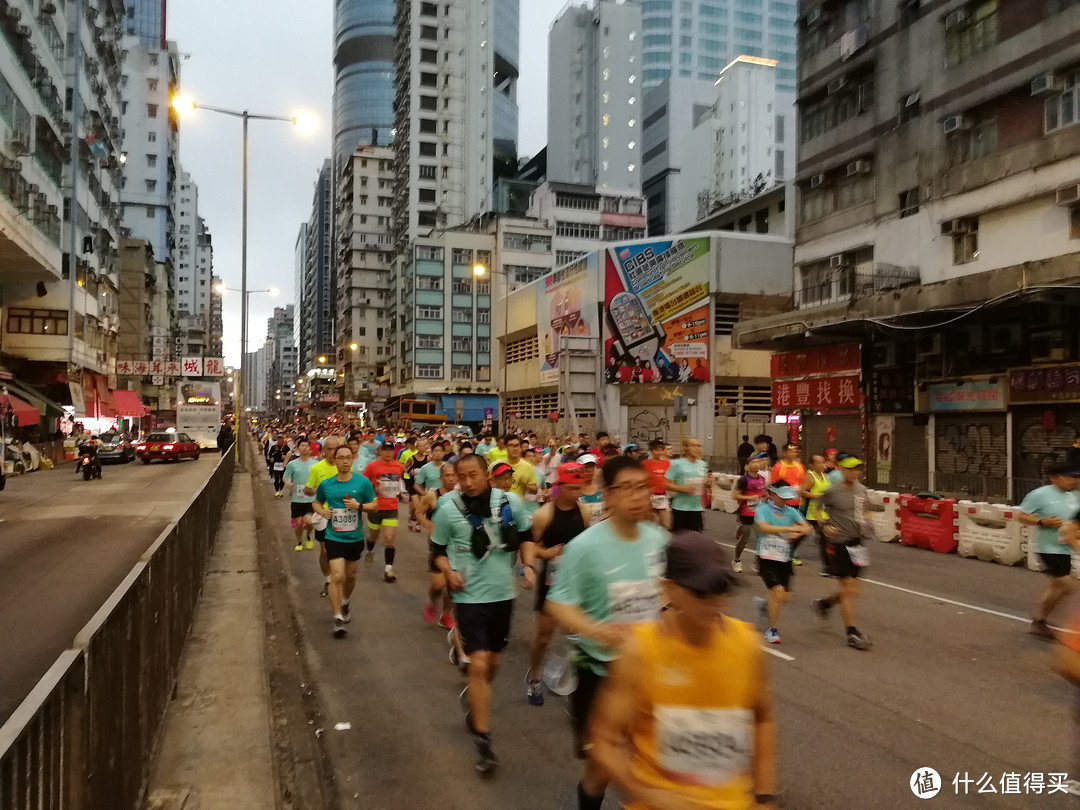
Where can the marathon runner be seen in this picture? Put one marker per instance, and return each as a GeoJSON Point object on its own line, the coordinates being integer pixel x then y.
{"type": "Point", "coordinates": [591, 493]}
{"type": "Point", "coordinates": [534, 499]}
{"type": "Point", "coordinates": [556, 523]}
{"type": "Point", "coordinates": [749, 490]}
{"type": "Point", "coordinates": [296, 476]}
{"type": "Point", "coordinates": [426, 505]}
{"type": "Point", "coordinates": [790, 470]}
{"type": "Point", "coordinates": [276, 456]}
{"type": "Point", "coordinates": [779, 525]}
{"type": "Point", "coordinates": [1048, 508]}
{"type": "Point", "coordinates": [686, 478]}
{"type": "Point", "coordinates": [340, 499]}
{"type": "Point", "coordinates": [525, 482]}
{"type": "Point", "coordinates": [477, 537]}
{"type": "Point", "coordinates": [608, 581]}
{"type": "Point", "coordinates": [385, 476]}
{"type": "Point", "coordinates": [847, 526]}
{"type": "Point", "coordinates": [657, 466]}
{"type": "Point", "coordinates": [325, 468]}
{"type": "Point", "coordinates": [408, 458]}
{"type": "Point", "coordinates": [502, 475]}
{"type": "Point", "coordinates": [813, 487]}
{"type": "Point", "coordinates": [708, 738]}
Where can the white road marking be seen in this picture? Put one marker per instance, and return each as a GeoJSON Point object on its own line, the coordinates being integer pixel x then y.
{"type": "Point", "coordinates": [777, 653]}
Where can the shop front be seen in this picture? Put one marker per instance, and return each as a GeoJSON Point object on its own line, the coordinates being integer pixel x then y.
{"type": "Point", "coordinates": [1044, 405]}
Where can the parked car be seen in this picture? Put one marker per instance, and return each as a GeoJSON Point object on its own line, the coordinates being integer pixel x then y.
{"type": "Point", "coordinates": [115, 447]}
{"type": "Point", "coordinates": [167, 447]}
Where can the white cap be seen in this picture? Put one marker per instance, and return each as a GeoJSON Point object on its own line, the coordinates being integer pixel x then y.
{"type": "Point", "coordinates": [588, 458]}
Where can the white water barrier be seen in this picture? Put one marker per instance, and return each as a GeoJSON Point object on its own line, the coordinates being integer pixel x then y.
{"type": "Point", "coordinates": [884, 515]}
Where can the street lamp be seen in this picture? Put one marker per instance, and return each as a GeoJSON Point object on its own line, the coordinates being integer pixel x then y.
{"type": "Point", "coordinates": [304, 124]}
{"type": "Point", "coordinates": [322, 358]}
{"type": "Point", "coordinates": [353, 346]}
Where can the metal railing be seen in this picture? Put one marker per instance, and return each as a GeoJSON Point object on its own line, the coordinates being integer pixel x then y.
{"type": "Point", "coordinates": [84, 738]}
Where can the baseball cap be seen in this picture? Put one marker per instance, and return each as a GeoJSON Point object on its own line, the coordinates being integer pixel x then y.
{"type": "Point", "coordinates": [387, 446]}
{"type": "Point", "coordinates": [572, 472]}
{"type": "Point", "coordinates": [1064, 469]}
{"type": "Point", "coordinates": [758, 456]}
{"type": "Point", "coordinates": [588, 458]}
{"type": "Point", "coordinates": [848, 462]}
{"type": "Point", "coordinates": [698, 563]}
{"type": "Point", "coordinates": [784, 491]}
{"type": "Point", "coordinates": [500, 468]}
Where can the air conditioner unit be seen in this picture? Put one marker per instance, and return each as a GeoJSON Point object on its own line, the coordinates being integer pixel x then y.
{"type": "Point", "coordinates": [955, 227]}
{"type": "Point", "coordinates": [1005, 339]}
{"type": "Point", "coordinates": [928, 345]}
{"type": "Point", "coordinates": [817, 180]}
{"type": "Point", "coordinates": [958, 17]}
{"type": "Point", "coordinates": [859, 167]}
{"type": "Point", "coordinates": [837, 260]}
{"type": "Point", "coordinates": [884, 355]}
{"type": "Point", "coordinates": [1045, 84]}
{"type": "Point", "coordinates": [1068, 195]}
{"type": "Point", "coordinates": [955, 123]}
{"type": "Point", "coordinates": [836, 85]}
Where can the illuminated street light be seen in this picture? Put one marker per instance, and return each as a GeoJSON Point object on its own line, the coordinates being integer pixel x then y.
{"type": "Point", "coordinates": [322, 358]}
{"type": "Point", "coordinates": [353, 346]}
{"type": "Point", "coordinates": [479, 270]}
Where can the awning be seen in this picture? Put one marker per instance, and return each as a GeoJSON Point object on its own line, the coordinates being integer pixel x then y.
{"type": "Point", "coordinates": [35, 397]}
{"type": "Point", "coordinates": [26, 413]}
{"type": "Point", "coordinates": [105, 407]}
{"type": "Point", "coordinates": [128, 403]}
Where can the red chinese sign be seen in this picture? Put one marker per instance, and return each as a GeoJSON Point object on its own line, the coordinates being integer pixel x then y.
{"type": "Point", "coordinates": [1044, 385]}
{"type": "Point", "coordinates": [824, 394]}
{"type": "Point", "coordinates": [818, 360]}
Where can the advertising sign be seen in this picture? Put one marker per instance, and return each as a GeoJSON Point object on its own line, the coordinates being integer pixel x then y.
{"type": "Point", "coordinates": [824, 394]}
{"type": "Point", "coordinates": [565, 306]}
{"type": "Point", "coordinates": [656, 312]}
{"type": "Point", "coordinates": [970, 396]}
{"type": "Point", "coordinates": [1045, 385]}
{"type": "Point", "coordinates": [817, 360]}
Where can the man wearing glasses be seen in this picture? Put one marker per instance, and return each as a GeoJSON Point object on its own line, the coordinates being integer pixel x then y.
{"type": "Point", "coordinates": [608, 581]}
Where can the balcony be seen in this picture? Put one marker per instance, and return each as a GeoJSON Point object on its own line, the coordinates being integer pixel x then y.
{"type": "Point", "coordinates": [832, 285]}
{"type": "Point", "coordinates": [29, 230]}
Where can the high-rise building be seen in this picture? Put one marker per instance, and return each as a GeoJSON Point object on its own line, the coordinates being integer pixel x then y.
{"type": "Point", "coordinates": [299, 275]}
{"type": "Point", "coordinates": [317, 315]}
{"type": "Point", "coordinates": [365, 257]}
{"type": "Point", "coordinates": [217, 327]}
{"type": "Point", "coordinates": [193, 269]}
{"type": "Point", "coordinates": [145, 19]}
{"type": "Point", "coordinates": [363, 74]}
{"type": "Point", "coordinates": [281, 374]}
{"type": "Point", "coordinates": [694, 40]}
{"type": "Point", "coordinates": [595, 96]}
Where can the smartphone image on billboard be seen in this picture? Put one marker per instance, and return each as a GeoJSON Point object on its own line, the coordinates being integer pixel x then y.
{"type": "Point", "coordinates": [632, 329]}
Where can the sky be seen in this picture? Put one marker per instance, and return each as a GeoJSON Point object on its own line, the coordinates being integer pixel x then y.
{"type": "Point", "coordinates": [266, 57]}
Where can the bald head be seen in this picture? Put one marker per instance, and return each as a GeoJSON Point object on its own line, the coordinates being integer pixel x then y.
{"type": "Point", "coordinates": [330, 444]}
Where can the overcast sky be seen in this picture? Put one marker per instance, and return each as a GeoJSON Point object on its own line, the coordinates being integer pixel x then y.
{"type": "Point", "coordinates": [273, 57]}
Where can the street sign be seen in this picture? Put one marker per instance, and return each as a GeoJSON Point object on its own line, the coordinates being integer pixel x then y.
{"type": "Point", "coordinates": [192, 367]}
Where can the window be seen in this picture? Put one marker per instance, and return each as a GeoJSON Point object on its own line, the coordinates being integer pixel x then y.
{"type": "Point", "coordinates": [424, 195]}
{"type": "Point", "coordinates": [150, 213]}
{"type": "Point", "coordinates": [483, 316]}
{"type": "Point", "coordinates": [1062, 109]}
{"type": "Point", "coordinates": [826, 112]}
{"type": "Point", "coordinates": [151, 185]}
{"type": "Point", "coordinates": [970, 30]}
{"type": "Point", "coordinates": [151, 137]}
{"type": "Point", "coordinates": [151, 110]}
{"type": "Point", "coordinates": [836, 194]}
{"type": "Point", "coordinates": [966, 240]}
{"type": "Point", "coordinates": [578, 230]}
{"type": "Point", "coordinates": [971, 144]}
{"type": "Point", "coordinates": [461, 372]}
{"type": "Point", "coordinates": [577, 202]}
{"type": "Point", "coordinates": [429, 253]}
{"type": "Point", "coordinates": [910, 107]}
{"type": "Point", "coordinates": [538, 243]}
{"type": "Point", "coordinates": [522, 274]}
{"type": "Point", "coordinates": [151, 161]}
{"type": "Point", "coordinates": [429, 126]}
{"type": "Point", "coordinates": [425, 371]}
{"type": "Point", "coordinates": [567, 256]}
{"type": "Point", "coordinates": [909, 202]}
{"type": "Point", "coordinates": [462, 285]}
{"type": "Point", "coordinates": [428, 283]}
{"type": "Point", "coordinates": [461, 344]}
{"type": "Point", "coordinates": [429, 341]}
{"type": "Point", "coordinates": [37, 321]}
{"type": "Point", "coordinates": [461, 315]}
{"type": "Point", "coordinates": [429, 313]}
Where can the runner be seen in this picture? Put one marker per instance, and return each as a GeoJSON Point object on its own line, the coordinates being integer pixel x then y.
{"type": "Point", "coordinates": [1048, 508]}
{"type": "Point", "coordinates": [497, 453]}
{"type": "Point", "coordinates": [707, 739]}
{"type": "Point", "coordinates": [385, 476]}
{"type": "Point", "coordinates": [325, 468]}
{"type": "Point", "coordinates": [779, 525]}
{"type": "Point", "coordinates": [340, 499]}
{"type": "Point", "coordinates": [477, 537]}
{"type": "Point", "coordinates": [557, 523]}
{"type": "Point", "coordinates": [408, 458]}
{"type": "Point", "coordinates": [836, 475]}
{"type": "Point", "coordinates": [426, 506]}
{"type": "Point", "coordinates": [749, 490]}
{"type": "Point", "coordinates": [502, 475]}
{"type": "Point", "coordinates": [429, 476]}
{"type": "Point", "coordinates": [525, 482]}
{"type": "Point", "coordinates": [848, 524]}
{"type": "Point", "coordinates": [813, 487]}
{"type": "Point", "coordinates": [534, 499]}
{"type": "Point", "coordinates": [484, 446]}
{"type": "Point", "coordinates": [276, 457]}
{"type": "Point", "coordinates": [592, 494]}
{"type": "Point", "coordinates": [296, 476]}
{"type": "Point", "coordinates": [608, 580]}
{"type": "Point", "coordinates": [657, 467]}
{"type": "Point", "coordinates": [686, 478]}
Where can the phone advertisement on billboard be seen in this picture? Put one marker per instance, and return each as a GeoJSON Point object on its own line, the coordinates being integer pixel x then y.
{"type": "Point", "coordinates": [566, 307]}
{"type": "Point", "coordinates": [656, 312]}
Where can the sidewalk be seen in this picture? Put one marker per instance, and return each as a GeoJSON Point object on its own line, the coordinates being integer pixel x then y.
{"type": "Point", "coordinates": [215, 750]}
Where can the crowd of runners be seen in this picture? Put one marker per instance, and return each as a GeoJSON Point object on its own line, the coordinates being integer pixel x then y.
{"type": "Point", "coordinates": [668, 695]}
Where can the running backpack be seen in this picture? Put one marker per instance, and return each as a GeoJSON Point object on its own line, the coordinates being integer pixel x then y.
{"type": "Point", "coordinates": [482, 529]}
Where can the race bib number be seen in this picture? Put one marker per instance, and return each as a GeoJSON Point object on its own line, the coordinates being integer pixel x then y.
{"type": "Point", "coordinates": [344, 520]}
{"type": "Point", "coordinates": [860, 555]}
{"type": "Point", "coordinates": [703, 746]}
{"type": "Point", "coordinates": [390, 487]}
{"type": "Point", "coordinates": [596, 512]}
{"type": "Point", "coordinates": [660, 502]}
{"type": "Point", "coordinates": [278, 466]}
{"type": "Point", "coordinates": [656, 563]}
{"type": "Point", "coordinates": [633, 602]}
{"type": "Point", "coordinates": [771, 547]}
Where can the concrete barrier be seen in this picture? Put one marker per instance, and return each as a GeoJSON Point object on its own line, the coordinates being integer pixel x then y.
{"type": "Point", "coordinates": [884, 515]}
{"type": "Point", "coordinates": [990, 532]}
{"type": "Point", "coordinates": [723, 492]}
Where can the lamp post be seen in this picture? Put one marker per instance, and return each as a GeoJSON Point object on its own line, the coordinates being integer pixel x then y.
{"type": "Point", "coordinates": [182, 105]}
{"type": "Point", "coordinates": [480, 271]}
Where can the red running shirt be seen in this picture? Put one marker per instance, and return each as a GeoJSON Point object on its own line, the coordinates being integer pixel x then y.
{"type": "Point", "coordinates": [657, 469]}
{"type": "Point", "coordinates": [385, 477]}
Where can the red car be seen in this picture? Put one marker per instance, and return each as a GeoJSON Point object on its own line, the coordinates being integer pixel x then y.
{"type": "Point", "coordinates": [167, 447]}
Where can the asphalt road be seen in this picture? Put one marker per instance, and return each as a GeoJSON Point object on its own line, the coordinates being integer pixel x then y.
{"type": "Point", "coordinates": [954, 683]}
{"type": "Point", "coordinates": [65, 544]}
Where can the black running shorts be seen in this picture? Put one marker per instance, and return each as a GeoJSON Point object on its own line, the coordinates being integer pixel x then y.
{"type": "Point", "coordinates": [485, 626]}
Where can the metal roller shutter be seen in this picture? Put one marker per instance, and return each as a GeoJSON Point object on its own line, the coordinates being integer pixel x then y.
{"type": "Point", "coordinates": [849, 435]}
{"type": "Point", "coordinates": [1042, 436]}
{"type": "Point", "coordinates": [971, 456]}
{"type": "Point", "coordinates": [910, 467]}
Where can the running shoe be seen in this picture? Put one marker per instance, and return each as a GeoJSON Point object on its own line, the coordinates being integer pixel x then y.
{"type": "Point", "coordinates": [298, 547]}
{"type": "Point", "coordinates": [369, 558]}
{"type": "Point", "coordinates": [796, 561]}
{"type": "Point", "coordinates": [821, 607]}
{"type": "Point", "coordinates": [309, 543]}
{"type": "Point", "coordinates": [761, 607]}
{"type": "Point", "coordinates": [339, 627]}
{"type": "Point", "coordinates": [736, 566]}
{"type": "Point", "coordinates": [486, 761]}
{"type": "Point", "coordinates": [346, 612]}
{"type": "Point", "coordinates": [1040, 628]}
{"type": "Point", "coordinates": [772, 635]}
{"type": "Point", "coordinates": [389, 575]}
{"type": "Point", "coordinates": [325, 592]}
{"type": "Point", "coordinates": [429, 613]}
{"type": "Point", "coordinates": [534, 692]}
{"type": "Point", "coordinates": [447, 621]}
{"type": "Point", "coordinates": [858, 641]}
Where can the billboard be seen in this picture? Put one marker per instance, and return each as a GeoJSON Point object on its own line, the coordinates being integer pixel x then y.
{"type": "Point", "coordinates": [656, 312]}
{"type": "Point", "coordinates": [565, 306]}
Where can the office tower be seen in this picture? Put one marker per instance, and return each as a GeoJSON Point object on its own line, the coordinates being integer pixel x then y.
{"type": "Point", "coordinates": [317, 314]}
{"type": "Point", "coordinates": [363, 74]}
